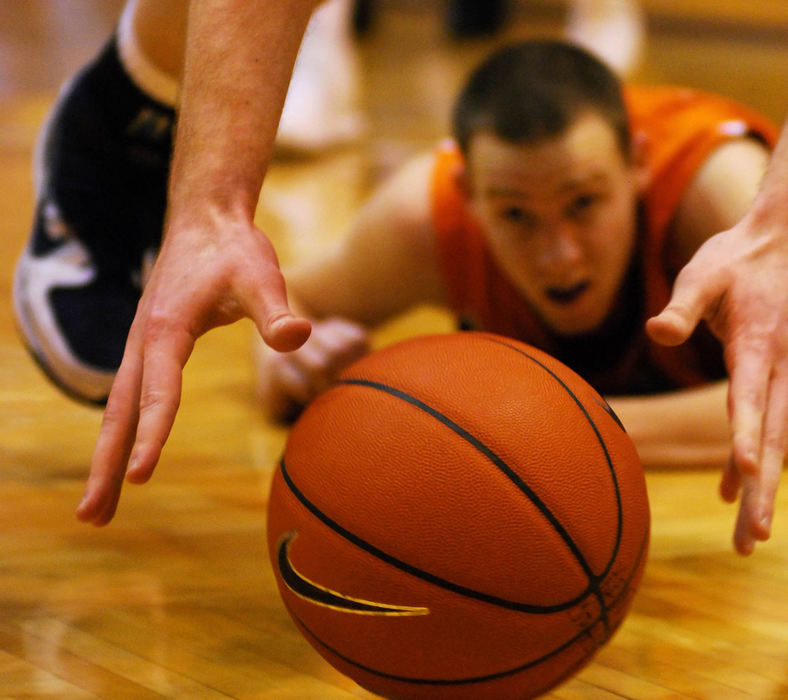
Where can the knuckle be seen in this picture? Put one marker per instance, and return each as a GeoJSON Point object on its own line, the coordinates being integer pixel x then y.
{"type": "Point", "coordinates": [157, 325]}
{"type": "Point", "coordinates": [313, 359]}
{"type": "Point", "coordinates": [153, 398]}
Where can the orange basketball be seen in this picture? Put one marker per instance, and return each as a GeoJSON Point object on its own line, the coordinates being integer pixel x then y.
{"type": "Point", "coordinates": [460, 516]}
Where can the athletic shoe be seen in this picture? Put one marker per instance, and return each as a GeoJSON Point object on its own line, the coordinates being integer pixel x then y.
{"type": "Point", "coordinates": [100, 168]}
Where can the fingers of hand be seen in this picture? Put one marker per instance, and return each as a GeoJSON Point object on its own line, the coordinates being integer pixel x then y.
{"type": "Point", "coordinates": [696, 295]}
{"type": "Point", "coordinates": [752, 524]}
{"type": "Point", "coordinates": [114, 443]}
{"type": "Point", "coordinates": [146, 394]}
{"type": "Point", "coordinates": [308, 371]}
{"type": "Point", "coordinates": [263, 296]}
{"type": "Point", "coordinates": [139, 414]}
{"type": "Point", "coordinates": [747, 396]}
{"type": "Point", "coordinates": [730, 482]}
{"type": "Point", "coordinates": [287, 333]}
{"type": "Point", "coordinates": [760, 489]}
{"type": "Point", "coordinates": [167, 349]}
{"type": "Point", "coordinates": [743, 538]}
{"type": "Point", "coordinates": [775, 437]}
{"type": "Point", "coordinates": [672, 326]}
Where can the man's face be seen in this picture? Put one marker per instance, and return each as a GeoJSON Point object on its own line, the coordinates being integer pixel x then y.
{"type": "Point", "coordinates": [559, 216]}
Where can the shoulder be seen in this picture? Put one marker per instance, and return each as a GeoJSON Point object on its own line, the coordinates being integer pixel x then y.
{"type": "Point", "coordinates": [719, 195]}
{"type": "Point", "coordinates": [696, 145]}
{"type": "Point", "coordinates": [674, 111]}
{"type": "Point", "coordinates": [400, 209]}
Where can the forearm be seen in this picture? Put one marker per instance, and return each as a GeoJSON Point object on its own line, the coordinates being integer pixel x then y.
{"type": "Point", "coordinates": [239, 58]}
{"type": "Point", "coordinates": [682, 429]}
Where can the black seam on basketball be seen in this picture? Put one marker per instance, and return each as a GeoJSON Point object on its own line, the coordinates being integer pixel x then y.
{"type": "Point", "coordinates": [445, 681]}
{"type": "Point", "coordinates": [500, 674]}
{"type": "Point", "coordinates": [614, 477]}
{"type": "Point", "coordinates": [591, 422]}
{"type": "Point", "coordinates": [419, 573]}
{"type": "Point", "coordinates": [516, 479]}
{"type": "Point", "coordinates": [512, 475]}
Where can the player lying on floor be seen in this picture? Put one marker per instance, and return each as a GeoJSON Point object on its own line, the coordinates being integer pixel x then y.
{"type": "Point", "coordinates": [560, 214]}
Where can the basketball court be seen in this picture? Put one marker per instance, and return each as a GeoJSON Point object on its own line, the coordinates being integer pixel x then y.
{"type": "Point", "coordinates": [176, 597]}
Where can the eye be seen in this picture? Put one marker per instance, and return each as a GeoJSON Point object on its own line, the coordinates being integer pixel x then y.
{"type": "Point", "coordinates": [581, 204]}
{"type": "Point", "coordinates": [513, 214]}
{"type": "Point", "coordinates": [517, 215]}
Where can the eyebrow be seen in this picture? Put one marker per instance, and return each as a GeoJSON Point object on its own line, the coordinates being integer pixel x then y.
{"type": "Point", "coordinates": [568, 186]}
{"type": "Point", "coordinates": [577, 183]}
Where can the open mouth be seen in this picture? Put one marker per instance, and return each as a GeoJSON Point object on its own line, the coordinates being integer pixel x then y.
{"type": "Point", "coordinates": [567, 295]}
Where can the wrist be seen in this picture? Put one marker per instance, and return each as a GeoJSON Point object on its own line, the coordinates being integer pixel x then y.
{"type": "Point", "coordinates": [770, 206]}
{"type": "Point", "coordinates": [213, 179]}
{"type": "Point", "coordinates": [207, 217]}
{"type": "Point", "coordinates": [768, 211]}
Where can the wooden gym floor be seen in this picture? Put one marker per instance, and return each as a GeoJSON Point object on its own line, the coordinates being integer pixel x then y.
{"type": "Point", "coordinates": [176, 598]}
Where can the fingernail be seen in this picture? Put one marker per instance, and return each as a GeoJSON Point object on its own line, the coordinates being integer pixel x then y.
{"type": "Point", "coordinates": [746, 547]}
{"type": "Point", "coordinates": [81, 507]}
{"type": "Point", "coordinates": [132, 467]}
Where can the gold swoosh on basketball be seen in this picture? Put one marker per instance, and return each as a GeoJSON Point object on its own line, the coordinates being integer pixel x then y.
{"type": "Point", "coordinates": [325, 597]}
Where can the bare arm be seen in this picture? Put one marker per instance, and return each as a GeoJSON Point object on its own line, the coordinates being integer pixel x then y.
{"type": "Point", "coordinates": [385, 266]}
{"type": "Point", "coordinates": [214, 266]}
{"type": "Point", "coordinates": [682, 429]}
{"type": "Point", "coordinates": [387, 263]}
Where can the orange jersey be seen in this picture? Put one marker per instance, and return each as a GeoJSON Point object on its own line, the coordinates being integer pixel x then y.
{"type": "Point", "coordinates": [680, 128]}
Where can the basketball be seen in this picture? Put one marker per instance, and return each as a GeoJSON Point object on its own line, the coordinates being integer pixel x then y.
{"type": "Point", "coordinates": [458, 516]}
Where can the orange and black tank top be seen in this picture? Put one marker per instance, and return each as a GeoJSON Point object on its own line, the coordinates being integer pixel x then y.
{"type": "Point", "coordinates": [681, 128]}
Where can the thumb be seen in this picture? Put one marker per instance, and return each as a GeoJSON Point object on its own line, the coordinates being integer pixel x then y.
{"type": "Point", "coordinates": [283, 331]}
{"type": "Point", "coordinates": [693, 296]}
{"type": "Point", "coordinates": [673, 325]}
{"type": "Point", "coordinates": [268, 307]}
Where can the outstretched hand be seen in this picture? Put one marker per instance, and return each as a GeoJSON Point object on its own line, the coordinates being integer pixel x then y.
{"type": "Point", "coordinates": [289, 381]}
{"type": "Point", "coordinates": [204, 278]}
{"type": "Point", "coordinates": [738, 282]}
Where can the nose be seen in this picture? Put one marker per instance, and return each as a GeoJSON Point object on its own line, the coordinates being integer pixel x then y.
{"type": "Point", "coordinates": [562, 247]}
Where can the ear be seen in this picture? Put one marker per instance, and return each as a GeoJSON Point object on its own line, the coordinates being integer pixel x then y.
{"type": "Point", "coordinates": [462, 178]}
{"type": "Point", "coordinates": [639, 152]}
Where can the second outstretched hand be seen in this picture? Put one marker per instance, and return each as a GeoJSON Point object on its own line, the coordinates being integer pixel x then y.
{"type": "Point", "coordinates": [234, 275]}
{"type": "Point", "coordinates": [738, 282]}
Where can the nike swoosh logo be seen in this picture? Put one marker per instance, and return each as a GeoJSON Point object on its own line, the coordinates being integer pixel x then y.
{"type": "Point", "coordinates": [327, 598]}
{"type": "Point", "coordinates": [611, 413]}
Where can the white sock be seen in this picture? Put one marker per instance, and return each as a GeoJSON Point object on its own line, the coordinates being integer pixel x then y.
{"type": "Point", "coordinates": [321, 108]}
{"type": "Point", "coordinates": [613, 30]}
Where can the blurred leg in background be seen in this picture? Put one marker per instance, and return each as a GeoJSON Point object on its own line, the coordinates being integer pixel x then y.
{"type": "Point", "coordinates": [614, 30]}
{"type": "Point", "coordinates": [322, 106]}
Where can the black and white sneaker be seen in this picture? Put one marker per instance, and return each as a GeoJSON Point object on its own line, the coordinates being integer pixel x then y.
{"type": "Point", "coordinates": [101, 170]}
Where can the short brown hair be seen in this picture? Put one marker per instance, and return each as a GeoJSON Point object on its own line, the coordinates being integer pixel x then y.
{"type": "Point", "coordinates": [535, 89]}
